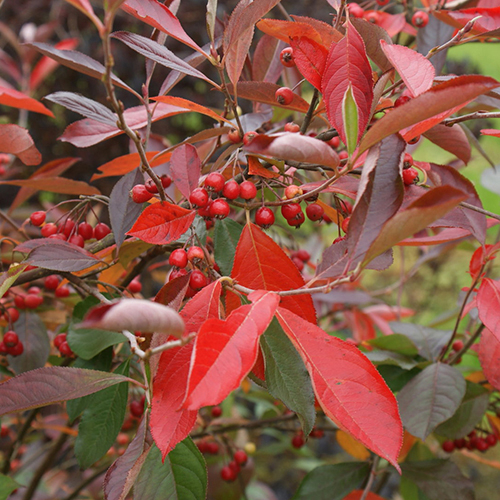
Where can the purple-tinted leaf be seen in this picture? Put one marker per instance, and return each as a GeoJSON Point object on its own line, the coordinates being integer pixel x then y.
{"type": "Point", "coordinates": [266, 66]}
{"type": "Point", "coordinates": [84, 106]}
{"type": "Point", "coordinates": [185, 169]}
{"type": "Point", "coordinates": [77, 61]}
{"type": "Point", "coordinates": [380, 194]}
{"type": "Point", "coordinates": [334, 261]}
{"type": "Point", "coordinates": [159, 53]}
{"type": "Point", "coordinates": [33, 334]}
{"type": "Point", "coordinates": [123, 211]}
{"type": "Point", "coordinates": [53, 384]}
{"type": "Point", "coordinates": [430, 398]}
{"type": "Point", "coordinates": [452, 139]}
{"type": "Point", "coordinates": [135, 315]}
{"type": "Point", "coordinates": [172, 293]}
{"type": "Point", "coordinates": [443, 175]}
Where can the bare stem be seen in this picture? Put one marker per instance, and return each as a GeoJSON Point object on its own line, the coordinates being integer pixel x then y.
{"type": "Point", "coordinates": [310, 112]}
{"type": "Point", "coordinates": [371, 478]}
{"type": "Point", "coordinates": [477, 115]}
{"type": "Point", "coordinates": [467, 345]}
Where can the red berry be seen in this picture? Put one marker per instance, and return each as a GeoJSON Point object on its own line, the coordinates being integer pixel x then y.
{"type": "Point", "coordinates": [197, 280]}
{"type": "Point", "coordinates": [67, 228]}
{"type": "Point", "coordinates": [4, 431]}
{"type": "Point", "coordinates": [134, 286]}
{"type": "Point", "coordinates": [264, 217]}
{"type": "Point", "coordinates": [248, 191]}
{"type": "Point", "coordinates": [178, 258]}
{"type": "Point", "coordinates": [10, 339]}
{"type": "Point", "coordinates": [286, 57]}
{"type": "Point", "coordinates": [86, 231]}
{"type": "Point", "coordinates": [65, 350]}
{"type": "Point", "coordinates": [337, 239]}
{"type": "Point", "coordinates": [448, 446]}
{"type": "Point", "coordinates": [420, 19]}
{"type": "Point", "coordinates": [176, 273]}
{"type": "Point", "coordinates": [235, 466]}
{"type": "Point", "coordinates": [136, 409]}
{"type": "Point", "coordinates": [227, 474]}
{"type": "Point", "coordinates": [62, 291]}
{"type": "Point", "coordinates": [459, 443]}
{"type": "Point", "coordinates": [205, 211]}
{"type": "Point", "coordinates": [34, 290]}
{"type": "Point", "coordinates": [219, 209]}
{"type": "Point", "coordinates": [382, 2]}
{"type": "Point", "coordinates": [491, 439]}
{"type": "Point", "coordinates": [345, 224]}
{"type": "Point", "coordinates": [297, 221]}
{"type": "Point", "coordinates": [334, 142]}
{"type": "Point", "coordinates": [215, 182]}
{"type": "Point", "coordinates": [231, 190]}
{"type": "Point", "coordinates": [202, 446]}
{"type": "Point", "coordinates": [17, 350]}
{"type": "Point", "coordinates": [343, 155]}
{"type": "Point", "coordinates": [298, 263]}
{"type": "Point", "coordinates": [166, 181]}
{"type": "Point", "coordinates": [49, 229]}
{"type": "Point", "coordinates": [199, 198]}
{"type": "Point", "coordinates": [317, 433]}
{"type": "Point", "coordinates": [292, 127]}
{"type": "Point", "coordinates": [234, 136]}
{"type": "Point", "coordinates": [372, 16]}
{"type": "Point", "coordinates": [37, 218]}
{"type": "Point", "coordinates": [77, 240]}
{"type": "Point", "coordinates": [212, 448]}
{"type": "Point", "coordinates": [195, 254]}
{"type": "Point", "coordinates": [481, 444]}
{"type": "Point", "coordinates": [284, 96]}
{"type": "Point", "coordinates": [51, 282]}
{"type": "Point", "coordinates": [12, 314]}
{"type": "Point", "coordinates": [291, 210]}
{"type": "Point", "coordinates": [356, 10]}
{"type": "Point", "coordinates": [249, 137]}
{"type": "Point", "coordinates": [140, 194]}
{"type": "Point", "coordinates": [240, 457]}
{"type": "Point", "coordinates": [315, 212]}
{"type": "Point", "coordinates": [292, 191]}
{"type": "Point", "coordinates": [20, 302]}
{"type": "Point", "coordinates": [151, 186]}
{"type": "Point", "coordinates": [407, 161]}
{"type": "Point", "coordinates": [457, 345]}
{"type": "Point", "coordinates": [402, 99]}
{"type": "Point", "coordinates": [303, 255]}
{"type": "Point", "coordinates": [58, 236]}
{"type": "Point", "coordinates": [409, 176]}
{"type": "Point", "coordinates": [298, 441]}
{"type": "Point", "coordinates": [33, 301]}
{"type": "Point", "coordinates": [101, 230]}
{"type": "Point", "coordinates": [216, 411]}
{"type": "Point", "coordinates": [59, 339]}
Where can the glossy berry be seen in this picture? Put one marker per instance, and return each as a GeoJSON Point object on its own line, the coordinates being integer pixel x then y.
{"type": "Point", "coordinates": [249, 137]}
{"type": "Point", "coordinates": [219, 209]}
{"type": "Point", "coordinates": [151, 187]}
{"type": "Point", "coordinates": [101, 230]}
{"type": "Point", "coordinates": [214, 182]}
{"type": "Point", "coordinates": [59, 339]}
{"type": "Point", "coordinates": [212, 448]}
{"type": "Point", "coordinates": [298, 441]}
{"type": "Point", "coordinates": [67, 227]}
{"type": "Point", "coordinates": [264, 217]}
{"type": "Point", "coordinates": [134, 286]}
{"type": "Point", "coordinates": [345, 224]}
{"type": "Point", "coordinates": [17, 350]}
{"type": "Point", "coordinates": [77, 240]}
{"type": "Point", "coordinates": [205, 211]}
{"type": "Point", "coordinates": [195, 254]}
{"type": "Point", "coordinates": [136, 408]}
{"type": "Point", "coordinates": [65, 350]}
{"type": "Point", "coordinates": [372, 16]}
{"type": "Point", "coordinates": [409, 176]}
{"type": "Point", "coordinates": [420, 19]}
{"type": "Point", "coordinates": [334, 142]}
{"type": "Point", "coordinates": [481, 444]}
{"type": "Point", "coordinates": [315, 212]}
{"type": "Point", "coordinates": [37, 218]}
{"type": "Point", "coordinates": [292, 127]}
{"type": "Point", "coordinates": [234, 136]}
{"type": "Point", "coordinates": [140, 194]}
{"type": "Point", "coordinates": [62, 291]}
{"type": "Point", "coordinates": [58, 236]}
{"type": "Point", "coordinates": [291, 211]}
{"type": "Point", "coordinates": [286, 57]}
{"type": "Point", "coordinates": [402, 99]}
{"type": "Point", "coordinates": [10, 339]}
{"type": "Point", "coordinates": [166, 181]}
{"type": "Point", "coordinates": [197, 280]}
{"type": "Point", "coordinates": [248, 191]}
{"type": "Point", "coordinates": [297, 221]}
{"type": "Point", "coordinates": [199, 198]}
{"type": "Point", "coordinates": [85, 230]}
{"type": "Point", "coordinates": [457, 345]}
{"type": "Point", "coordinates": [491, 439]}
{"type": "Point", "coordinates": [49, 229]}
{"type": "Point", "coordinates": [33, 301]}
{"type": "Point", "coordinates": [51, 282]}
{"type": "Point", "coordinates": [227, 474]}
{"type": "Point", "coordinates": [178, 258]}
{"type": "Point", "coordinates": [240, 457]}
{"type": "Point", "coordinates": [11, 314]}
{"type": "Point", "coordinates": [408, 160]}
{"type": "Point", "coordinates": [231, 190]}
{"type": "Point", "coordinates": [303, 255]}
{"type": "Point", "coordinates": [284, 96]}
{"type": "Point", "coordinates": [176, 273]}
{"type": "Point", "coordinates": [19, 302]}
{"type": "Point", "coordinates": [356, 10]}
{"type": "Point", "coordinates": [448, 446]}
{"type": "Point", "coordinates": [216, 411]}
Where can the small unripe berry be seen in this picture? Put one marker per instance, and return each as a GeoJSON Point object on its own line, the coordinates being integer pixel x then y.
{"type": "Point", "coordinates": [292, 191]}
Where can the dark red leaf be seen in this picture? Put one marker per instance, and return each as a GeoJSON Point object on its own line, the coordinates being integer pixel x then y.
{"type": "Point", "coordinates": [452, 139]}
{"type": "Point", "coordinates": [310, 59]}
{"type": "Point", "coordinates": [16, 99]}
{"type": "Point", "coordinates": [489, 357]}
{"type": "Point", "coordinates": [185, 169]}
{"type": "Point", "coordinates": [55, 185]}
{"type": "Point", "coordinates": [348, 387]}
{"type": "Point", "coordinates": [172, 292]}
{"type": "Point", "coordinates": [17, 141]}
{"type": "Point", "coordinates": [489, 19]}
{"type": "Point", "coordinates": [266, 65]}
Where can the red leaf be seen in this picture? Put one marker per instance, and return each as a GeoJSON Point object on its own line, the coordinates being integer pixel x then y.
{"type": "Point", "coordinates": [266, 65]}
{"type": "Point", "coordinates": [489, 357]}
{"type": "Point", "coordinates": [348, 66]}
{"type": "Point", "coordinates": [160, 17]}
{"type": "Point", "coordinates": [489, 20]}
{"type": "Point", "coordinates": [125, 164]}
{"type": "Point", "coordinates": [260, 264]}
{"type": "Point", "coordinates": [392, 23]}
{"type": "Point", "coordinates": [85, 7]}
{"type": "Point", "coordinates": [416, 70]}
{"type": "Point", "coordinates": [452, 139]}
{"type": "Point", "coordinates": [185, 169]}
{"type": "Point", "coordinates": [256, 168]}
{"type": "Point", "coordinates": [327, 32]}
{"type": "Point", "coordinates": [162, 223]}
{"type": "Point", "coordinates": [16, 99]}
{"type": "Point", "coordinates": [55, 185]}
{"type": "Point", "coordinates": [203, 306]}
{"type": "Point", "coordinates": [310, 59]}
{"type": "Point", "coordinates": [297, 147]}
{"type": "Point", "coordinates": [172, 292]}
{"type": "Point", "coordinates": [17, 141]}
{"type": "Point", "coordinates": [440, 98]}
{"type": "Point", "coordinates": [490, 131]}
{"type": "Point", "coordinates": [284, 30]}
{"type": "Point", "coordinates": [488, 305]}
{"type": "Point", "coordinates": [358, 495]}
{"type": "Point", "coordinates": [225, 351]}
{"type": "Point", "coordinates": [348, 387]}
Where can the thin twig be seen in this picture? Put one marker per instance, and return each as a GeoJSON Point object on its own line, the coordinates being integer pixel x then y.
{"type": "Point", "coordinates": [467, 345]}
{"type": "Point", "coordinates": [477, 115]}
{"type": "Point", "coordinates": [310, 112]}
{"type": "Point", "coordinates": [480, 210]}
{"type": "Point", "coordinates": [371, 478]}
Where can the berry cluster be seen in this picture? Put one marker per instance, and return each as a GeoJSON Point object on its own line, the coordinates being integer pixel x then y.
{"type": "Point", "coordinates": [195, 258]}
{"type": "Point", "coordinates": [62, 345]}
{"type": "Point", "coordinates": [230, 471]}
{"type": "Point", "coordinates": [419, 19]}
{"type": "Point", "coordinates": [11, 344]}
{"type": "Point", "coordinates": [51, 283]}
{"type": "Point", "coordinates": [472, 442]}
{"type": "Point", "coordinates": [141, 193]}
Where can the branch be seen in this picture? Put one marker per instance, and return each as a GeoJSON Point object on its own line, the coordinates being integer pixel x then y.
{"type": "Point", "coordinates": [477, 115]}
{"type": "Point", "coordinates": [371, 478]}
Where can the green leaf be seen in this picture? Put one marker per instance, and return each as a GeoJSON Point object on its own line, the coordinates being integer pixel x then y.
{"type": "Point", "coordinates": [226, 236]}
{"type": "Point", "coordinates": [350, 118]}
{"type": "Point", "coordinates": [439, 479]}
{"type": "Point", "coordinates": [469, 413]}
{"type": "Point", "coordinates": [83, 307]}
{"type": "Point", "coordinates": [101, 421]}
{"type": "Point", "coordinates": [430, 398]}
{"type": "Point", "coordinates": [88, 342]}
{"type": "Point", "coordinates": [397, 342]}
{"type": "Point", "coordinates": [332, 482]}
{"type": "Point", "coordinates": [395, 376]}
{"type": "Point", "coordinates": [391, 358]}
{"type": "Point", "coordinates": [182, 476]}
{"type": "Point", "coordinates": [286, 375]}
{"type": "Point", "coordinates": [7, 486]}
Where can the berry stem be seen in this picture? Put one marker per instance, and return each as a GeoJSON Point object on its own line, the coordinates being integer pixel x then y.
{"type": "Point", "coordinates": [310, 112]}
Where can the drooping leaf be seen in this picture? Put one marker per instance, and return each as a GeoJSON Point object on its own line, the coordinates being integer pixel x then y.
{"type": "Point", "coordinates": [101, 421]}
{"type": "Point", "coordinates": [348, 387]}
{"type": "Point", "coordinates": [17, 141]}
{"type": "Point", "coordinates": [182, 475]}
{"type": "Point", "coordinates": [162, 223]}
{"type": "Point", "coordinates": [185, 169]}
{"type": "Point", "coordinates": [430, 398]}
{"type": "Point", "coordinates": [310, 58]}
{"type": "Point", "coordinates": [416, 71]}
{"type": "Point", "coordinates": [261, 264]}
{"type": "Point", "coordinates": [489, 357]}
{"type": "Point", "coordinates": [227, 233]}
{"type": "Point", "coordinates": [54, 185]}
{"type": "Point", "coordinates": [440, 98]}
{"type": "Point", "coordinates": [452, 139]}
{"type": "Point", "coordinates": [286, 376]}
{"type": "Point", "coordinates": [490, 131]}
{"type": "Point", "coordinates": [332, 482]}
{"type": "Point", "coordinates": [224, 351]}
{"type": "Point", "coordinates": [347, 66]}
{"type": "Point", "coordinates": [380, 194]}
{"type": "Point", "coordinates": [439, 479]}
{"type": "Point", "coordinates": [84, 106]}
{"type": "Point", "coordinates": [297, 147]}
{"type": "Point", "coordinates": [53, 384]}
{"type": "Point", "coordinates": [16, 99]}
